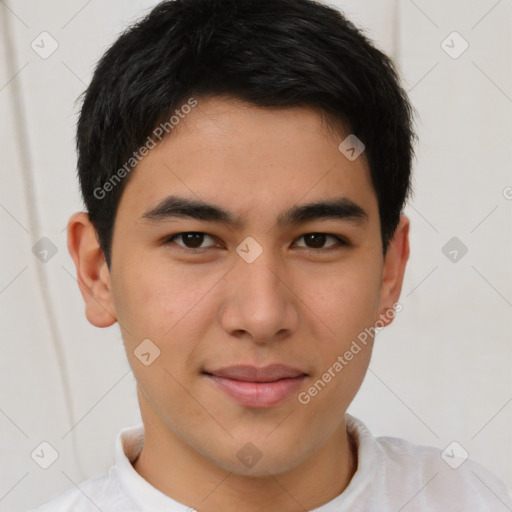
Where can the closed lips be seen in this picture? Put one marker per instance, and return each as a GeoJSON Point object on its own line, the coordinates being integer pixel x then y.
{"type": "Point", "coordinates": [246, 373]}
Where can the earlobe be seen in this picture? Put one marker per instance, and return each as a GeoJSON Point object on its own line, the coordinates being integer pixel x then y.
{"type": "Point", "coordinates": [93, 276]}
{"type": "Point", "coordinates": [394, 269]}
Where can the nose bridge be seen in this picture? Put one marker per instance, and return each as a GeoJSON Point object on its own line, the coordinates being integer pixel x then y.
{"type": "Point", "coordinates": [259, 277]}
{"type": "Point", "coordinates": [258, 302]}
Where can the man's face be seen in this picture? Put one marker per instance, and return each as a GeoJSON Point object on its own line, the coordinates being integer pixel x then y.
{"type": "Point", "coordinates": [208, 305]}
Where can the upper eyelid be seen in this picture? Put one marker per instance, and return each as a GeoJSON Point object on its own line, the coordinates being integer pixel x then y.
{"type": "Point", "coordinates": [170, 237]}
{"type": "Point", "coordinates": [339, 238]}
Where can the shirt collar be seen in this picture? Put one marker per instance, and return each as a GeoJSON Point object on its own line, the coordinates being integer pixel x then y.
{"type": "Point", "coordinates": [366, 472]}
{"type": "Point", "coordinates": [149, 499]}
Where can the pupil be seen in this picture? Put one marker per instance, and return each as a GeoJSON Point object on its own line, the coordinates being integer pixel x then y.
{"type": "Point", "coordinates": [317, 239]}
{"type": "Point", "coordinates": [193, 240]}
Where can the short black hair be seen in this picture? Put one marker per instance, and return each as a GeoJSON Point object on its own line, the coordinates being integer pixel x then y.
{"type": "Point", "coordinates": [268, 53]}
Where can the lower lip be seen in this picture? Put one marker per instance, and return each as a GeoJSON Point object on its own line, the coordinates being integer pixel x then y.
{"type": "Point", "coordinates": [258, 394]}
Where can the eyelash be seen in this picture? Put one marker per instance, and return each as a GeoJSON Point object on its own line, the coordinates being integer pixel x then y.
{"type": "Point", "coordinates": [341, 242]}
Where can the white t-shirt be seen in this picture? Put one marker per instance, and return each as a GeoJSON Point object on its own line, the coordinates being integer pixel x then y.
{"type": "Point", "coordinates": [392, 475]}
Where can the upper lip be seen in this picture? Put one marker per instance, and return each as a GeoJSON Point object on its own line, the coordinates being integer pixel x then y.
{"type": "Point", "coordinates": [248, 373]}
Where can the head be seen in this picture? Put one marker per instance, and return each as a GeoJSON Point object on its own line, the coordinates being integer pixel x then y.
{"type": "Point", "coordinates": [245, 112]}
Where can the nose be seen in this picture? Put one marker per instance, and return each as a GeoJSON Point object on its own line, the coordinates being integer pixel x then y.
{"type": "Point", "coordinates": [258, 303]}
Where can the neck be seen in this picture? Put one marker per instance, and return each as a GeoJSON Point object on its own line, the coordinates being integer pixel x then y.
{"type": "Point", "coordinates": [181, 472]}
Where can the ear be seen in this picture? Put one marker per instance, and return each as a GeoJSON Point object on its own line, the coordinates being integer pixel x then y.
{"type": "Point", "coordinates": [93, 276]}
{"type": "Point", "coordinates": [393, 271]}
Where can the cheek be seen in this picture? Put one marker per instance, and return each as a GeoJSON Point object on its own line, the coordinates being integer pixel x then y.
{"type": "Point", "coordinates": [171, 308]}
{"type": "Point", "coordinates": [346, 300]}
{"type": "Point", "coordinates": [151, 298]}
{"type": "Point", "coordinates": [143, 302]}
{"type": "Point", "coordinates": [347, 304]}
{"type": "Point", "coordinates": [156, 305]}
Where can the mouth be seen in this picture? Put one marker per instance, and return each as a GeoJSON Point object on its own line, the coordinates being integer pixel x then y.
{"type": "Point", "coordinates": [257, 387]}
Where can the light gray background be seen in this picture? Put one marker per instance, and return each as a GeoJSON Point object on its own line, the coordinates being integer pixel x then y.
{"type": "Point", "coordinates": [441, 372]}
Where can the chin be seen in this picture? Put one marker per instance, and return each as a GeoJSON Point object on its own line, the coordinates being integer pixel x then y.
{"type": "Point", "coordinates": [250, 461]}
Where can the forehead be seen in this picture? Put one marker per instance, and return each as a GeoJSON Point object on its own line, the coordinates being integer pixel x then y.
{"type": "Point", "coordinates": [250, 159]}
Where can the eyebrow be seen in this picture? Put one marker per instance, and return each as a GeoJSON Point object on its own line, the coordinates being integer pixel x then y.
{"type": "Point", "coordinates": [340, 208]}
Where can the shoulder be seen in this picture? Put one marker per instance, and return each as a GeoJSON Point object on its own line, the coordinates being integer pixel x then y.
{"type": "Point", "coordinates": [447, 478]}
{"type": "Point", "coordinates": [402, 474]}
{"type": "Point", "coordinates": [103, 492]}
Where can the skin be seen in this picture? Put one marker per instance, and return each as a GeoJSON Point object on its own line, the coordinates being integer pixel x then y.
{"type": "Point", "coordinates": [295, 304]}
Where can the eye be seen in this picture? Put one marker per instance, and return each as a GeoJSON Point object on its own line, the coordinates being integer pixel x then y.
{"type": "Point", "coordinates": [191, 239]}
{"type": "Point", "coordinates": [317, 241]}
{"type": "Point", "coordinates": [195, 240]}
